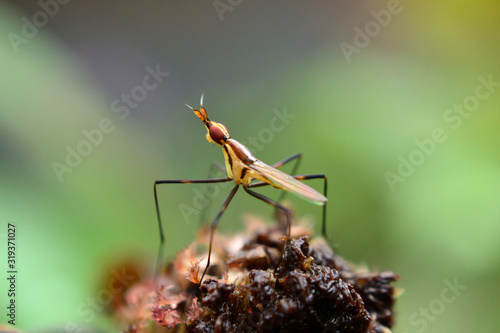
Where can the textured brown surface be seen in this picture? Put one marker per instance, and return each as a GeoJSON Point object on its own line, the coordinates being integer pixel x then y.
{"type": "Point", "coordinates": [267, 285]}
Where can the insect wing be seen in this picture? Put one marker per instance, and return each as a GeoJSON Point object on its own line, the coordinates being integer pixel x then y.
{"type": "Point", "coordinates": [286, 182]}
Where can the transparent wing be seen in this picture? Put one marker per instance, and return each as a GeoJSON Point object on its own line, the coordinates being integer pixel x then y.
{"type": "Point", "coordinates": [286, 182]}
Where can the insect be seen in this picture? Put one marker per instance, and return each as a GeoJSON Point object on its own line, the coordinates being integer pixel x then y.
{"type": "Point", "coordinates": [249, 172]}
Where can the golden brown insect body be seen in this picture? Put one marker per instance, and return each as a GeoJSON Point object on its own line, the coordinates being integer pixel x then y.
{"type": "Point", "coordinates": [243, 167]}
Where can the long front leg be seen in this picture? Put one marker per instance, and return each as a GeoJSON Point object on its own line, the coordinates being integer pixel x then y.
{"type": "Point", "coordinates": [214, 170]}
{"type": "Point", "coordinates": [158, 216]}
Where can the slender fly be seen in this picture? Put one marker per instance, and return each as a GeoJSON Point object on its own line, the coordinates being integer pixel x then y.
{"type": "Point", "coordinates": [248, 172]}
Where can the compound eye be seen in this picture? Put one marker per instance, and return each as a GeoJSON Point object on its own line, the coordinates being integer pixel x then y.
{"type": "Point", "coordinates": [218, 133]}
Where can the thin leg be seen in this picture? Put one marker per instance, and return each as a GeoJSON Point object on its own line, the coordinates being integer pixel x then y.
{"type": "Point", "coordinates": [213, 226]}
{"type": "Point", "coordinates": [206, 211]}
{"type": "Point", "coordinates": [160, 224]}
{"type": "Point", "coordinates": [297, 157]}
{"type": "Point", "coordinates": [325, 189]}
{"type": "Point", "coordinates": [275, 205]}
{"type": "Point", "coordinates": [307, 177]}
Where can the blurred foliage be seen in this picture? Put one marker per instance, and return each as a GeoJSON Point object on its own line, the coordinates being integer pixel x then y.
{"type": "Point", "coordinates": [353, 121]}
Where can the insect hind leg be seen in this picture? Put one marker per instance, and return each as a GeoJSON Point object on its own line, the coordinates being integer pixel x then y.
{"type": "Point", "coordinates": [275, 204]}
{"type": "Point", "coordinates": [325, 189]}
{"type": "Point", "coordinates": [297, 158]}
{"type": "Point", "coordinates": [307, 177]}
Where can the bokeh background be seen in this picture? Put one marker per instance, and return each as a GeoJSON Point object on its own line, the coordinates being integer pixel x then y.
{"type": "Point", "coordinates": [355, 114]}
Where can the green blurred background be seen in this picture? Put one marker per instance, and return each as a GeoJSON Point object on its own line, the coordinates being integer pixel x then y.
{"type": "Point", "coordinates": [356, 117]}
